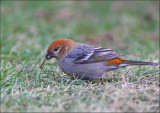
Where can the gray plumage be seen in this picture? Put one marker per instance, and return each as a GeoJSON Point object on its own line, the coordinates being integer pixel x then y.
{"type": "Point", "coordinates": [83, 54]}
{"type": "Point", "coordinates": [89, 62]}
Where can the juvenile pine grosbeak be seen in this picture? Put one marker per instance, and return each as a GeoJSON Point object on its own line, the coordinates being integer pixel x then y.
{"type": "Point", "coordinates": [87, 61]}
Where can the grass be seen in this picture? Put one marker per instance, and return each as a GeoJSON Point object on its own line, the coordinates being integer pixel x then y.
{"type": "Point", "coordinates": [27, 28]}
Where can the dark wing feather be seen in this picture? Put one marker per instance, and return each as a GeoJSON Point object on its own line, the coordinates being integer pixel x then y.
{"type": "Point", "coordinates": [84, 54]}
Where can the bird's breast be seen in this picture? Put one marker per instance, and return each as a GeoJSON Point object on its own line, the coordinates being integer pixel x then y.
{"type": "Point", "coordinates": [90, 70]}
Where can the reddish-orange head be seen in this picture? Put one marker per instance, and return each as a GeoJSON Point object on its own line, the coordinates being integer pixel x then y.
{"type": "Point", "coordinates": [59, 48]}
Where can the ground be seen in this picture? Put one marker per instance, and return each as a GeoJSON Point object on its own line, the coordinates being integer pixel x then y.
{"type": "Point", "coordinates": [27, 28]}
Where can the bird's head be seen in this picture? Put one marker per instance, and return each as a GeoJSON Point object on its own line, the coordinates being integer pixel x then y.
{"type": "Point", "coordinates": [59, 48]}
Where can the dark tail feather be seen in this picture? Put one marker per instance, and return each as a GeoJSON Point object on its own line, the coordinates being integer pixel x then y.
{"type": "Point", "coordinates": [130, 62]}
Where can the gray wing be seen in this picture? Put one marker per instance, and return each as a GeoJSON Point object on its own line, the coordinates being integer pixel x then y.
{"type": "Point", "coordinates": [83, 54]}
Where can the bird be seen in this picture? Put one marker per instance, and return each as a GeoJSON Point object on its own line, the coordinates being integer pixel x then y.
{"type": "Point", "coordinates": [87, 62]}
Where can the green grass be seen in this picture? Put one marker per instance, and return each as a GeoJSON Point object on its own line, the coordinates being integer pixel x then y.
{"type": "Point", "coordinates": [27, 28]}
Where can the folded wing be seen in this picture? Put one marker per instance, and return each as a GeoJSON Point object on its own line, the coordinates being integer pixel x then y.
{"type": "Point", "coordinates": [83, 54]}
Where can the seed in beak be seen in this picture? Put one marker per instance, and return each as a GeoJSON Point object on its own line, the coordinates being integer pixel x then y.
{"type": "Point", "coordinates": [49, 55]}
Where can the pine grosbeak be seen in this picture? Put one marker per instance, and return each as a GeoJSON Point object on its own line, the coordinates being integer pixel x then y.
{"type": "Point", "coordinates": [87, 61]}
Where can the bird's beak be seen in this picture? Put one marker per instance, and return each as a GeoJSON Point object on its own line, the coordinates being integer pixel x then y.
{"type": "Point", "coordinates": [49, 55]}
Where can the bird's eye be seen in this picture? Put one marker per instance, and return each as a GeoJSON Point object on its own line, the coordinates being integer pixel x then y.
{"type": "Point", "coordinates": [56, 49]}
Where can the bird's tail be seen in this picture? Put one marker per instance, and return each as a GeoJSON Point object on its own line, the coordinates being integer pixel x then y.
{"type": "Point", "coordinates": [122, 62]}
{"type": "Point", "coordinates": [130, 62]}
{"type": "Point", "coordinates": [119, 62]}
